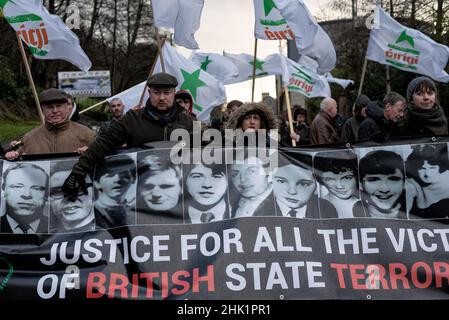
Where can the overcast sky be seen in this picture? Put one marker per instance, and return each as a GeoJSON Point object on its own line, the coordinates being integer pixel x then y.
{"type": "Point", "coordinates": [229, 25]}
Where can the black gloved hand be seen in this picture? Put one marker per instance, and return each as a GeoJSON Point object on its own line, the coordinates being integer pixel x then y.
{"type": "Point", "coordinates": [72, 186]}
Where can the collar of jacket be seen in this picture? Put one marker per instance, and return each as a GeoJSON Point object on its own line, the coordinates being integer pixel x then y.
{"type": "Point", "coordinates": [58, 126]}
{"type": "Point", "coordinates": [163, 119]}
{"type": "Point", "coordinates": [328, 117]}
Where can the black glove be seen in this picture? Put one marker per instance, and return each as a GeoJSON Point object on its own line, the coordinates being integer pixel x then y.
{"type": "Point", "coordinates": [72, 186]}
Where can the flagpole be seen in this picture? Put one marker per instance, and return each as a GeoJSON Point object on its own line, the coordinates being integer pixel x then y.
{"type": "Point", "coordinates": [30, 78]}
{"type": "Point", "coordinates": [254, 69]}
{"type": "Point", "coordinates": [365, 64]}
{"type": "Point", "coordinates": [289, 114]}
{"type": "Point", "coordinates": [94, 106]}
{"type": "Point", "coordinates": [142, 96]}
{"type": "Point", "coordinates": [159, 48]}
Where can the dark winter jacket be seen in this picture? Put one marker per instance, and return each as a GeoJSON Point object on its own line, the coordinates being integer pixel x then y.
{"type": "Point", "coordinates": [420, 122]}
{"type": "Point", "coordinates": [134, 129]}
{"type": "Point", "coordinates": [376, 127]}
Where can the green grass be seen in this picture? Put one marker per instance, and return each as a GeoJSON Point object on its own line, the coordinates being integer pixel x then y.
{"type": "Point", "coordinates": [13, 130]}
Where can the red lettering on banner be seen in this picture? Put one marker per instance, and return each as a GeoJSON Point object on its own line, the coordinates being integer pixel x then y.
{"type": "Point", "coordinates": [119, 286]}
{"type": "Point", "coordinates": [439, 274]}
{"type": "Point", "coordinates": [401, 276]}
{"type": "Point", "coordinates": [341, 277]}
{"type": "Point", "coordinates": [427, 273]}
{"type": "Point", "coordinates": [95, 285]}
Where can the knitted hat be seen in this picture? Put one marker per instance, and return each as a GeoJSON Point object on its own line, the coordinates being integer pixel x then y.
{"type": "Point", "coordinates": [415, 83]}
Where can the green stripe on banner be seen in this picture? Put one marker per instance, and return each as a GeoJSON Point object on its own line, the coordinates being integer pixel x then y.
{"type": "Point", "coordinates": [38, 52]}
{"type": "Point", "coordinates": [392, 46]}
{"type": "Point", "coordinates": [272, 22]}
{"type": "Point", "coordinates": [23, 18]}
{"type": "Point", "coordinates": [401, 65]}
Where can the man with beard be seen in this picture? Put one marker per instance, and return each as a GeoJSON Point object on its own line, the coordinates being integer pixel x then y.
{"type": "Point", "coordinates": [113, 179]}
{"type": "Point", "coordinates": [25, 189]}
{"type": "Point", "coordinates": [67, 216]}
{"type": "Point", "coordinates": [206, 187]}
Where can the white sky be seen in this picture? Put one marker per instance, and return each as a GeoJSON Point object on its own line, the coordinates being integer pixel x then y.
{"type": "Point", "coordinates": [229, 25]}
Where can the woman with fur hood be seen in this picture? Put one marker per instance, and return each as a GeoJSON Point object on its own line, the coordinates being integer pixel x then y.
{"type": "Point", "coordinates": [251, 117]}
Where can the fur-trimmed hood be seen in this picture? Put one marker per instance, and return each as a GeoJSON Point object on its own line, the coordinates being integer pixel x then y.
{"type": "Point", "coordinates": [236, 118]}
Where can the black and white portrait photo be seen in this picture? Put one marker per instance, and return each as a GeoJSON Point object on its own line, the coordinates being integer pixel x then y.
{"type": "Point", "coordinates": [252, 190]}
{"type": "Point", "coordinates": [382, 180]}
{"type": "Point", "coordinates": [67, 216]}
{"type": "Point", "coordinates": [427, 169]}
{"type": "Point", "coordinates": [337, 174]}
{"type": "Point", "coordinates": [159, 189]}
{"type": "Point", "coordinates": [205, 193]}
{"type": "Point", "coordinates": [115, 192]}
{"type": "Point", "coordinates": [25, 195]}
{"type": "Point", "coordinates": [294, 187]}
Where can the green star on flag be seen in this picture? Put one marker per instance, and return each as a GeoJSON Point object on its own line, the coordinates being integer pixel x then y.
{"type": "Point", "coordinates": [268, 5]}
{"type": "Point", "coordinates": [258, 64]}
{"type": "Point", "coordinates": [192, 82]}
{"type": "Point", "coordinates": [205, 63]}
{"type": "Point", "coordinates": [405, 37]}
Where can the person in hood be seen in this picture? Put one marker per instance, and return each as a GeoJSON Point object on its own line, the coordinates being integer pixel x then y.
{"type": "Point", "coordinates": [350, 130]}
{"type": "Point", "coordinates": [155, 122]}
{"type": "Point", "coordinates": [58, 134]}
{"type": "Point", "coordinates": [185, 100]}
{"type": "Point", "coordinates": [382, 120]}
{"type": "Point", "coordinates": [424, 117]}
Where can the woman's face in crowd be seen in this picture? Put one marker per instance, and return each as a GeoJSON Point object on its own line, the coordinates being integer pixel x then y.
{"type": "Point", "coordinates": [384, 189]}
{"type": "Point", "coordinates": [342, 184]}
{"type": "Point", "coordinates": [424, 99]}
{"type": "Point", "coordinates": [429, 173]}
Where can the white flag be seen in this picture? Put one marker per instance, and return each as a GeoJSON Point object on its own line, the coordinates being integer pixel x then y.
{"type": "Point", "coordinates": [303, 80]}
{"type": "Point", "coordinates": [207, 92]}
{"type": "Point", "coordinates": [245, 64]}
{"type": "Point", "coordinates": [311, 40]}
{"type": "Point", "coordinates": [344, 83]}
{"type": "Point", "coordinates": [270, 25]}
{"type": "Point", "coordinates": [181, 15]}
{"type": "Point", "coordinates": [131, 96]}
{"type": "Point", "coordinates": [407, 49]}
{"type": "Point", "coordinates": [45, 34]}
{"type": "Point", "coordinates": [216, 65]}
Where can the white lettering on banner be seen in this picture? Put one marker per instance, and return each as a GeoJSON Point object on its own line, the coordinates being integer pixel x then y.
{"type": "Point", "coordinates": [424, 239]}
{"type": "Point", "coordinates": [117, 248]}
{"type": "Point", "coordinates": [275, 275]}
{"type": "Point", "coordinates": [353, 241]}
{"type": "Point", "coordinates": [264, 241]}
{"type": "Point", "coordinates": [230, 237]}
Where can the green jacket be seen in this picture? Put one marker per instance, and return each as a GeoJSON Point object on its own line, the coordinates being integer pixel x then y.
{"type": "Point", "coordinates": [134, 129]}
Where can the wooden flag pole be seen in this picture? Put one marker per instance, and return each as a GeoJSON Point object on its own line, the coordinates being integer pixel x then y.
{"type": "Point", "coordinates": [94, 106]}
{"type": "Point", "coordinates": [254, 70]}
{"type": "Point", "coordinates": [365, 64]}
{"type": "Point", "coordinates": [30, 78]}
{"type": "Point", "coordinates": [289, 113]}
{"type": "Point", "coordinates": [142, 96]}
{"type": "Point", "coordinates": [159, 48]}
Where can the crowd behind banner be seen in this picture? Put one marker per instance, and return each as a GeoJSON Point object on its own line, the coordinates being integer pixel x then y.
{"type": "Point", "coordinates": [325, 223]}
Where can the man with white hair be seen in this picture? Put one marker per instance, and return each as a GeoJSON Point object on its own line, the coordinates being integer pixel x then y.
{"type": "Point", "coordinates": [323, 130]}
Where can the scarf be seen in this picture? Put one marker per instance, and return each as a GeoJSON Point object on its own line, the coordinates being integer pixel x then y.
{"type": "Point", "coordinates": [432, 119]}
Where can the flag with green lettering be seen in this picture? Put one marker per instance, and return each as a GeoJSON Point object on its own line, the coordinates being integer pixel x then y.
{"type": "Point", "coordinates": [407, 49]}
{"type": "Point", "coordinates": [207, 92]}
{"type": "Point", "coordinates": [45, 34]}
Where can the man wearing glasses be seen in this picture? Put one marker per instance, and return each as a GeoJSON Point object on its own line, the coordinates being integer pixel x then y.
{"type": "Point", "coordinates": [58, 134]}
{"type": "Point", "coordinates": [154, 122]}
{"type": "Point", "coordinates": [66, 216]}
{"type": "Point", "coordinates": [25, 190]}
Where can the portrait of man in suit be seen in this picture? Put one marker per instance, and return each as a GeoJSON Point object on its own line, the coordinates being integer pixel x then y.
{"type": "Point", "coordinates": [25, 191]}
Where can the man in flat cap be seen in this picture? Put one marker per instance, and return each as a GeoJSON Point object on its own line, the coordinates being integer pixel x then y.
{"type": "Point", "coordinates": [58, 134]}
{"type": "Point", "coordinates": [154, 122]}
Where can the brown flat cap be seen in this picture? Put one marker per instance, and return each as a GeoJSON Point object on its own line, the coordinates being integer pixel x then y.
{"type": "Point", "coordinates": [163, 80]}
{"type": "Point", "coordinates": [52, 95]}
